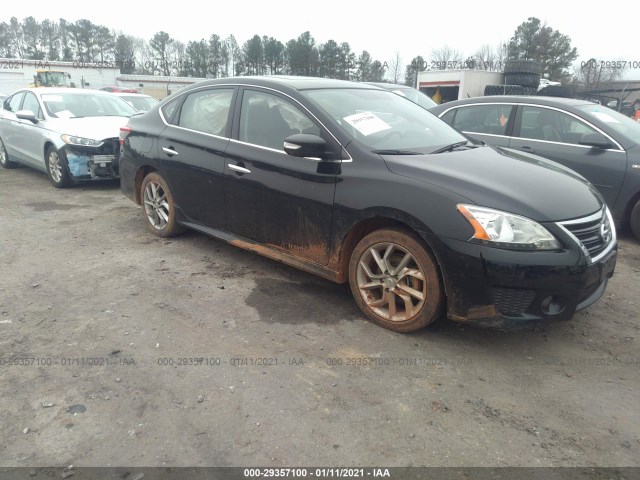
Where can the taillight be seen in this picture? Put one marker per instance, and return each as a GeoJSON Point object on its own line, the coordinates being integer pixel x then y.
{"type": "Point", "coordinates": [124, 131]}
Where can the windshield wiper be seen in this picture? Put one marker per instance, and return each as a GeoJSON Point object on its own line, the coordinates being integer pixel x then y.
{"type": "Point", "coordinates": [396, 152]}
{"type": "Point", "coordinates": [450, 148]}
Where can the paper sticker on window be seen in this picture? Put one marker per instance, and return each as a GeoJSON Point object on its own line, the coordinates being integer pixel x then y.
{"type": "Point", "coordinates": [64, 114]}
{"type": "Point", "coordinates": [367, 123]}
{"type": "Point", "coordinates": [605, 117]}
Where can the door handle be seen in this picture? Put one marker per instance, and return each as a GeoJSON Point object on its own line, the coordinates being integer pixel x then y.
{"type": "Point", "coordinates": [527, 148]}
{"type": "Point", "coordinates": [237, 168]}
{"type": "Point", "coordinates": [170, 151]}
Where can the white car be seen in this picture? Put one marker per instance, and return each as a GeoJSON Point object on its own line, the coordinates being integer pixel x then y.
{"type": "Point", "coordinates": [139, 101]}
{"type": "Point", "coordinates": [72, 135]}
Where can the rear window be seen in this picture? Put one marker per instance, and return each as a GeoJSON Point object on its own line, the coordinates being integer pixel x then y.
{"type": "Point", "coordinates": [615, 120]}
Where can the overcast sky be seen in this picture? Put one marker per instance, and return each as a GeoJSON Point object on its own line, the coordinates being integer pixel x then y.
{"type": "Point", "coordinates": [604, 30]}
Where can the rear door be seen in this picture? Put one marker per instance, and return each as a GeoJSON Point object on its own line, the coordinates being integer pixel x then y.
{"type": "Point", "coordinates": [487, 122]}
{"type": "Point", "coordinates": [191, 150]}
{"type": "Point", "coordinates": [555, 134]}
{"type": "Point", "coordinates": [273, 198]}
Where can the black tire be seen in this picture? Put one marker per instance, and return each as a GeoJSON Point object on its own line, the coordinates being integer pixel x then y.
{"type": "Point", "coordinates": [158, 206]}
{"type": "Point", "coordinates": [523, 66]}
{"type": "Point", "coordinates": [490, 90]}
{"type": "Point", "coordinates": [556, 91]}
{"type": "Point", "coordinates": [524, 79]}
{"type": "Point", "coordinates": [404, 297]}
{"type": "Point", "coordinates": [4, 157]}
{"type": "Point", "coordinates": [634, 220]}
{"type": "Point", "coordinates": [513, 90]}
{"type": "Point", "coordinates": [530, 90]}
{"type": "Point", "coordinates": [57, 168]}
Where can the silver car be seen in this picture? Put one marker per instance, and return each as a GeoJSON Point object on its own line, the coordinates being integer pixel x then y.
{"type": "Point", "coordinates": [72, 135]}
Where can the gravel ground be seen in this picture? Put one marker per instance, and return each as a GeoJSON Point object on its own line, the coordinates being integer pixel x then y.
{"type": "Point", "coordinates": [142, 351]}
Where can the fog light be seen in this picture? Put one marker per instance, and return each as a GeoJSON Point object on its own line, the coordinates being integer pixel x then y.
{"type": "Point", "coordinates": [552, 305]}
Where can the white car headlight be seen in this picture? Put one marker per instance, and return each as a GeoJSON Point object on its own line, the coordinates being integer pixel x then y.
{"type": "Point", "coordinates": [506, 230]}
{"type": "Point", "coordinates": [85, 142]}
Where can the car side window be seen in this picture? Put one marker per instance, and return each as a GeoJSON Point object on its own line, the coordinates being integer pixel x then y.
{"type": "Point", "coordinates": [169, 109]}
{"type": "Point", "coordinates": [491, 119]}
{"type": "Point", "coordinates": [207, 111]}
{"type": "Point", "coordinates": [31, 103]}
{"type": "Point", "coordinates": [14, 102]}
{"type": "Point", "coordinates": [540, 123]}
{"type": "Point", "coordinates": [267, 119]}
{"type": "Point", "coordinates": [448, 117]}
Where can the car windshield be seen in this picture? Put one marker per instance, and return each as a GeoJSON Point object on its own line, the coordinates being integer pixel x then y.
{"type": "Point", "coordinates": [383, 121]}
{"type": "Point", "coordinates": [78, 105]}
{"type": "Point", "coordinates": [142, 104]}
{"type": "Point", "coordinates": [416, 97]}
{"type": "Point", "coordinates": [620, 123]}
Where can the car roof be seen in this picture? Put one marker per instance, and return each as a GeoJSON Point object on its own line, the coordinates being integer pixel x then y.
{"type": "Point", "coordinates": [292, 82]}
{"type": "Point", "coordinates": [56, 90]}
{"type": "Point", "coordinates": [130, 94]}
{"type": "Point", "coordinates": [540, 100]}
{"type": "Point", "coordinates": [390, 86]}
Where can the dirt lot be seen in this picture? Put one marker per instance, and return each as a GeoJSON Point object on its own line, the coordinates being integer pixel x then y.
{"type": "Point", "coordinates": [190, 352]}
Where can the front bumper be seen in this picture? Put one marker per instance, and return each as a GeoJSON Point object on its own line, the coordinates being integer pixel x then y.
{"type": "Point", "coordinates": [87, 163]}
{"type": "Point", "coordinates": [503, 288]}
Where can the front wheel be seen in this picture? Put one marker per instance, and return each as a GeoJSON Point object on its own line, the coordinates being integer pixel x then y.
{"type": "Point", "coordinates": [57, 168]}
{"type": "Point", "coordinates": [395, 281]}
{"type": "Point", "coordinates": [635, 220]}
{"type": "Point", "coordinates": [158, 206]}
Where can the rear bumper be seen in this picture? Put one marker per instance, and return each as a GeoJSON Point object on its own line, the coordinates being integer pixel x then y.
{"type": "Point", "coordinates": [504, 288]}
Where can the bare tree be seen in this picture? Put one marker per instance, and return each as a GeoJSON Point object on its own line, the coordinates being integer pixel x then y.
{"type": "Point", "coordinates": [395, 69]}
{"type": "Point", "coordinates": [446, 58]}
{"type": "Point", "coordinates": [592, 75]}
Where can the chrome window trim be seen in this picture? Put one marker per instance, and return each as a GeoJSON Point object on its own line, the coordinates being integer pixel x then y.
{"type": "Point", "coordinates": [598, 215]}
{"type": "Point", "coordinates": [577, 117]}
{"type": "Point", "coordinates": [223, 85]}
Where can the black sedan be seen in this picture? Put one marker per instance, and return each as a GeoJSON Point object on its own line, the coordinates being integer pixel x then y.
{"type": "Point", "coordinates": [600, 144]}
{"type": "Point", "coordinates": [353, 183]}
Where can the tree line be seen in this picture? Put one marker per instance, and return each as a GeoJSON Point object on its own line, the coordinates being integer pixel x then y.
{"type": "Point", "coordinates": [85, 42]}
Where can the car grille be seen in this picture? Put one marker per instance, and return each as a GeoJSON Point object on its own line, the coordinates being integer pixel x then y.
{"type": "Point", "coordinates": [510, 301]}
{"type": "Point", "coordinates": [595, 233]}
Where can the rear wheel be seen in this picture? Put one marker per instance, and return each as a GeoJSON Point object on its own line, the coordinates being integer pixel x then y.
{"type": "Point", "coordinates": [57, 168]}
{"type": "Point", "coordinates": [158, 206]}
{"type": "Point", "coordinates": [395, 280]}
{"type": "Point", "coordinates": [4, 157]}
{"type": "Point", "coordinates": [635, 220]}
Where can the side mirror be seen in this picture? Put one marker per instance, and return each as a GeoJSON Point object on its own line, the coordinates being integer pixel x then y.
{"type": "Point", "coordinates": [27, 115]}
{"type": "Point", "coordinates": [305, 145]}
{"type": "Point", "coordinates": [595, 140]}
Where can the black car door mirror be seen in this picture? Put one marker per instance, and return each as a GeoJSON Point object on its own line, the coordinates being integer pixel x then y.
{"type": "Point", "coordinates": [595, 140]}
{"type": "Point", "coordinates": [27, 115]}
{"type": "Point", "coordinates": [305, 145]}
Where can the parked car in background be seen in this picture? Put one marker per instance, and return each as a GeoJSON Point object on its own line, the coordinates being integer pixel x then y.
{"type": "Point", "coordinates": [416, 96]}
{"type": "Point", "coordinates": [70, 134]}
{"type": "Point", "coordinates": [600, 144]}
{"type": "Point", "coordinates": [353, 183]}
{"type": "Point", "coordinates": [115, 88]}
{"type": "Point", "coordinates": [140, 102]}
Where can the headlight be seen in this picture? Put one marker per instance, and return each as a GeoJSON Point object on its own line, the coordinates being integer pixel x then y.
{"type": "Point", "coordinates": [505, 230]}
{"type": "Point", "coordinates": [85, 142]}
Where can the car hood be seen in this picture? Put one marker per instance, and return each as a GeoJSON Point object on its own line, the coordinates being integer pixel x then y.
{"type": "Point", "coordinates": [97, 128]}
{"type": "Point", "coordinates": [514, 182]}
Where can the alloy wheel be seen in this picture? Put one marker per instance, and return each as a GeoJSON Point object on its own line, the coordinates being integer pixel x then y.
{"type": "Point", "coordinates": [391, 281]}
{"type": "Point", "coordinates": [156, 205]}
